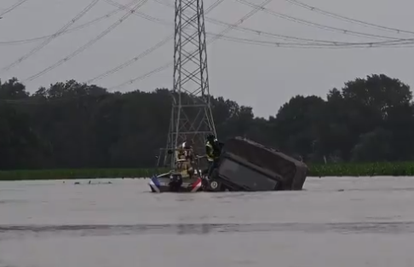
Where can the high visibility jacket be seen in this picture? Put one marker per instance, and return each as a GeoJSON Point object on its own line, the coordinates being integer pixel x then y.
{"type": "Point", "coordinates": [209, 151]}
{"type": "Point", "coordinates": [179, 154]}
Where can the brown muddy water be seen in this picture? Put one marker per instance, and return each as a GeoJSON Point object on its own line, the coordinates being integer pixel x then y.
{"type": "Point", "coordinates": [335, 222]}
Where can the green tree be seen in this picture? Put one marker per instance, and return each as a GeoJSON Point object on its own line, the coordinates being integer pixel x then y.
{"type": "Point", "coordinates": [295, 125]}
{"type": "Point", "coordinates": [74, 125]}
{"type": "Point", "coordinates": [363, 106]}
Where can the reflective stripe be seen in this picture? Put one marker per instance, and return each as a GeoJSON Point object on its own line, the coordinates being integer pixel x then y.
{"type": "Point", "coordinates": [210, 155]}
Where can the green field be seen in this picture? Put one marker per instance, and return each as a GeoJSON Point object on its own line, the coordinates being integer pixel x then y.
{"type": "Point", "coordinates": [345, 169]}
{"type": "Point", "coordinates": [74, 174]}
{"type": "Point", "coordinates": [363, 169]}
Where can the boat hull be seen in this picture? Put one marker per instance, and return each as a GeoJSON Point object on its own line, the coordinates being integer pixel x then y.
{"type": "Point", "coordinates": [162, 184]}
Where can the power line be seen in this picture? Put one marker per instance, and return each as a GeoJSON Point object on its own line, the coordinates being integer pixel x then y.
{"type": "Point", "coordinates": [269, 34]}
{"type": "Point", "coordinates": [260, 32]}
{"type": "Point", "coordinates": [344, 18]}
{"type": "Point", "coordinates": [137, 13]}
{"type": "Point", "coordinates": [132, 60]}
{"type": "Point", "coordinates": [82, 26]}
{"type": "Point", "coordinates": [151, 18]}
{"type": "Point", "coordinates": [47, 41]}
{"type": "Point", "coordinates": [39, 38]}
{"type": "Point", "coordinates": [163, 22]}
{"type": "Point", "coordinates": [209, 9]}
{"type": "Point", "coordinates": [90, 43]}
{"type": "Point", "coordinates": [239, 40]}
{"type": "Point", "coordinates": [229, 28]}
{"type": "Point", "coordinates": [317, 25]}
{"type": "Point", "coordinates": [318, 43]}
{"type": "Point", "coordinates": [13, 7]}
{"type": "Point", "coordinates": [402, 43]}
{"type": "Point", "coordinates": [397, 42]}
{"type": "Point", "coordinates": [142, 77]}
{"type": "Point", "coordinates": [146, 52]}
{"type": "Point", "coordinates": [324, 44]}
{"type": "Point", "coordinates": [89, 23]}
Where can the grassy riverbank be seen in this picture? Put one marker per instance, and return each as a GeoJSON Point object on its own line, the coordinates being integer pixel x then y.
{"type": "Point", "coordinates": [363, 169]}
{"type": "Point", "coordinates": [343, 169]}
{"type": "Point", "coordinates": [58, 174]}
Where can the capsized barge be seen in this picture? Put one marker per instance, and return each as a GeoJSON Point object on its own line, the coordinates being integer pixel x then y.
{"type": "Point", "coordinates": [246, 165]}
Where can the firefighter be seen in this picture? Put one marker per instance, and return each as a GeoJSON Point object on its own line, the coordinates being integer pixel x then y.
{"type": "Point", "coordinates": [184, 158]}
{"type": "Point", "coordinates": [212, 152]}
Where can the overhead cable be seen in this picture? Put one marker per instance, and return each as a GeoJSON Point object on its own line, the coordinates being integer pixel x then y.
{"type": "Point", "coordinates": [163, 22]}
{"type": "Point", "coordinates": [383, 44]}
{"type": "Point", "coordinates": [398, 42]}
{"type": "Point", "coordinates": [269, 34]}
{"type": "Point", "coordinates": [48, 40]}
{"type": "Point", "coordinates": [69, 30]}
{"type": "Point", "coordinates": [12, 7]}
{"type": "Point", "coordinates": [146, 52]}
{"type": "Point", "coordinates": [132, 60]}
{"type": "Point", "coordinates": [139, 14]}
{"type": "Point", "coordinates": [88, 44]}
{"type": "Point", "coordinates": [317, 25]}
{"type": "Point", "coordinates": [229, 28]}
{"type": "Point", "coordinates": [347, 19]}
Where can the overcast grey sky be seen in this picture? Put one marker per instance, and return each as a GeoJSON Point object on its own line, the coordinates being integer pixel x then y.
{"type": "Point", "coordinates": [258, 76]}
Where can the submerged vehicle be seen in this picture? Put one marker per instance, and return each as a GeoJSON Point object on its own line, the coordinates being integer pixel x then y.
{"type": "Point", "coordinates": [244, 165]}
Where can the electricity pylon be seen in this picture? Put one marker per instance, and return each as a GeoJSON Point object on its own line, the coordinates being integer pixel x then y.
{"type": "Point", "coordinates": [191, 115]}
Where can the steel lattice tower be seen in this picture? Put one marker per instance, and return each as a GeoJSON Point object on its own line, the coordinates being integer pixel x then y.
{"type": "Point", "coordinates": [191, 115]}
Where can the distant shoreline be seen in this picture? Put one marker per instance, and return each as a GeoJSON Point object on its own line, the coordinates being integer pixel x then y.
{"type": "Point", "coordinates": [316, 170]}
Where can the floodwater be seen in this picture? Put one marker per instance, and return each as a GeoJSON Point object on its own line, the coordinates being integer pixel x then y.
{"type": "Point", "coordinates": [335, 222]}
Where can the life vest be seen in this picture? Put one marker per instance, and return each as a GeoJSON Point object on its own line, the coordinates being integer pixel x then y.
{"type": "Point", "coordinates": [180, 153]}
{"type": "Point", "coordinates": [209, 151]}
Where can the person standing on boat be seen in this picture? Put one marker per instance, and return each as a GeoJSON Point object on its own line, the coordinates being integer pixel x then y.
{"type": "Point", "coordinates": [213, 151]}
{"type": "Point", "coordinates": [184, 158]}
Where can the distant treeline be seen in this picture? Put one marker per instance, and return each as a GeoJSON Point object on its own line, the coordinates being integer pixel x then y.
{"type": "Point", "coordinates": [315, 170]}
{"type": "Point", "coordinates": [71, 125]}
